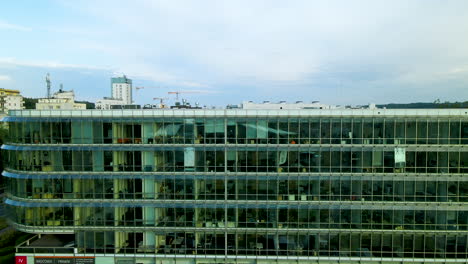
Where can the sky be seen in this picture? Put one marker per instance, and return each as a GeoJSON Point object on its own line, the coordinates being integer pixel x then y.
{"type": "Point", "coordinates": [223, 52]}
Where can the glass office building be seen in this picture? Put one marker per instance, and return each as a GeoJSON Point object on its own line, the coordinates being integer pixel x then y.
{"type": "Point", "coordinates": [242, 186]}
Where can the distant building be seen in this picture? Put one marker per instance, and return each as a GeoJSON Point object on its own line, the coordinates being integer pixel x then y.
{"type": "Point", "coordinates": [122, 89]}
{"type": "Point", "coordinates": [60, 100]}
{"type": "Point", "coordinates": [10, 99]}
{"type": "Point", "coordinates": [108, 103]}
{"type": "Point", "coordinates": [121, 94]}
{"type": "Point", "coordinates": [284, 105]}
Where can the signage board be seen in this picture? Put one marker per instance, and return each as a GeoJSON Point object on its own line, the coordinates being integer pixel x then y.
{"type": "Point", "coordinates": [63, 260]}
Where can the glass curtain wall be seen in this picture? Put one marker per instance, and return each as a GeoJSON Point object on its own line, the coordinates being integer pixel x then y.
{"type": "Point", "coordinates": [298, 186]}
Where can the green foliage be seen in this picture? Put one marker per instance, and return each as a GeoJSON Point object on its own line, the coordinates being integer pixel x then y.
{"type": "Point", "coordinates": [3, 134]}
{"type": "Point", "coordinates": [6, 250]}
{"type": "Point", "coordinates": [3, 139]}
{"type": "Point", "coordinates": [8, 241]}
{"type": "Point", "coordinates": [10, 258]}
{"type": "Point", "coordinates": [30, 103]}
{"type": "Point", "coordinates": [3, 223]}
{"type": "Point", "coordinates": [12, 237]}
{"type": "Point", "coordinates": [8, 238]}
{"type": "Point", "coordinates": [89, 105]}
{"type": "Point", "coordinates": [435, 105]}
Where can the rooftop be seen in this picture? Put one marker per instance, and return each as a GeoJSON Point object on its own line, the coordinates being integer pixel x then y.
{"type": "Point", "coordinates": [9, 90]}
{"type": "Point", "coordinates": [98, 113]}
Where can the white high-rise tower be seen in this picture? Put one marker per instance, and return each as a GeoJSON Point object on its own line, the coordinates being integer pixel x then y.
{"type": "Point", "coordinates": [122, 89]}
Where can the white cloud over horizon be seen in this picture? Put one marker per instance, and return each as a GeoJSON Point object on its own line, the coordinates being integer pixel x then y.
{"type": "Point", "coordinates": [12, 62]}
{"type": "Point", "coordinates": [8, 26]}
{"type": "Point", "coordinates": [277, 41]}
{"type": "Point", "coordinates": [5, 78]}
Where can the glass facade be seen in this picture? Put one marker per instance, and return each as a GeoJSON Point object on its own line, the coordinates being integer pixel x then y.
{"type": "Point", "coordinates": [306, 185]}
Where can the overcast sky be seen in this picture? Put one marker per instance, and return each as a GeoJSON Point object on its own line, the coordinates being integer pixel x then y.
{"type": "Point", "coordinates": [336, 52]}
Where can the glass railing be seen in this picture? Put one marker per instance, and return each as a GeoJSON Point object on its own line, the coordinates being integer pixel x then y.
{"type": "Point", "coordinates": [96, 221]}
{"type": "Point", "coordinates": [238, 141]}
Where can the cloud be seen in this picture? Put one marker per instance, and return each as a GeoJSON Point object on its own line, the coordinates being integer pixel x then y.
{"type": "Point", "coordinates": [139, 71]}
{"type": "Point", "coordinates": [278, 42]}
{"type": "Point", "coordinates": [47, 64]}
{"type": "Point", "coordinates": [312, 49]}
{"type": "Point", "coordinates": [194, 84]}
{"type": "Point", "coordinates": [459, 70]}
{"type": "Point", "coordinates": [155, 74]}
{"type": "Point", "coordinates": [5, 78]}
{"type": "Point", "coordinates": [8, 26]}
{"type": "Point", "coordinates": [228, 41]}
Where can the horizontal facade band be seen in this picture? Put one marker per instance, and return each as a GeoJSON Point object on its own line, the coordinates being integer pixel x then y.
{"type": "Point", "coordinates": [437, 177]}
{"type": "Point", "coordinates": [235, 147]}
{"type": "Point", "coordinates": [220, 113]}
{"type": "Point", "coordinates": [241, 259]}
{"type": "Point", "coordinates": [242, 204]}
{"type": "Point", "coordinates": [222, 230]}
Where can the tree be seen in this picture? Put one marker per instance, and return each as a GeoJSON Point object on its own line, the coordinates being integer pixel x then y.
{"type": "Point", "coordinates": [3, 138]}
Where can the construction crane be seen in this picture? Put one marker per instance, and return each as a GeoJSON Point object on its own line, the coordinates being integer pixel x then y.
{"type": "Point", "coordinates": [142, 87]}
{"type": "Point", "coordinates": [183, 92]}
{"type": "Point", "coordinates": [139, 87]}
{"type": "Point", "coordinates": [47, 79]}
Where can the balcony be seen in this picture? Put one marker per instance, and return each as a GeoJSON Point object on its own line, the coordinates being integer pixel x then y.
{"type": "Point", "coordinates": [50, 244]}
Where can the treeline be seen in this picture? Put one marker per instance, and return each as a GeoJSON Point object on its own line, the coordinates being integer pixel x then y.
{"type": "Point", "coordinates": [433, 105]}
{"type": "Point", "coordinates": [3, 139]}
